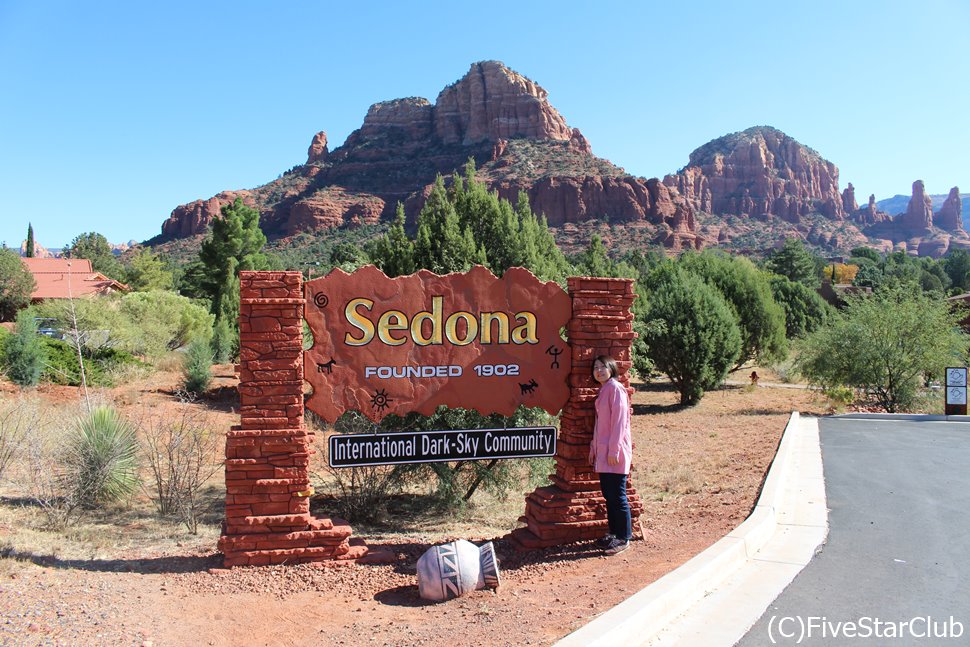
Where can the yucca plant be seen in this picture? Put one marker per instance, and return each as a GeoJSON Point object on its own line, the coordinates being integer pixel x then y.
{"type": "Point", "coordinates": [102, 458]}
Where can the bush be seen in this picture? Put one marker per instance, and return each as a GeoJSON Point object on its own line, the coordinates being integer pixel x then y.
{"type": "Point", "coordinates": [362, 493]}
{"type": "Point", "coordinates": [23, 352]}
{"type": "Point", "coordinates": [183, 454]}
{"type": "Point", "coordinates": [197, 369]}
{"type": "Point", "coordinates": [16, 423]}
{"type": "Point", "coordinates": [694, 338]}
{"type": "Point", "coordinates": [884, 345]}
{"type": "Point", "coordinates": [223, 342]}
{"type": "Point", "coordinates": [16, 284]}
{"type": "Point", "coordinates": [747, 292]}
{"type": "Point", "coordinates": [101, 459]}
{"type": "Point", "coordinates": [140, 323]}
{"type": "Point", "coordinates": [100, 365]}
{"type": "Point", "coordinates": [804, 309]}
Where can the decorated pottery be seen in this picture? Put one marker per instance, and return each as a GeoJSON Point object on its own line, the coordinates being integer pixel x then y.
{"type": "Point", "coordinates": [456, 568]}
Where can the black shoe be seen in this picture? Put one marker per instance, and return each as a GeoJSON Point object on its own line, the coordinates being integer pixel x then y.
{"type": "Point", "coordinates": [605, 541]}
{"type": "Point", "coordinates": [617, 546]}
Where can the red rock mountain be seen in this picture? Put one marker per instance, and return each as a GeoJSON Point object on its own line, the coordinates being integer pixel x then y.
{"type": "Point", "coordinates": [749, 189]}
{"type": "Point", "coordinates": [501, 118]}
{"type": "Point", "coordinates": [759, 172]}
{"type": "Point", "coordinates": [950, 217]}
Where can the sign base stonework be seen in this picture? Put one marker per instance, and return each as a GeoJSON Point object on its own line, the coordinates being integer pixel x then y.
{"type": "Point", "coordinates": [572, 508]}
{"type": "Point", "coordinates": [268, 490]}
{"type": "Point", "coordinates": [268, 519]}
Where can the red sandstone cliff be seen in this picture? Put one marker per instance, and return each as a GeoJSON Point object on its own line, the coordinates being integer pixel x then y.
{"type": "Point", "coordinates": [919, 214]}
{"type": "Point", "coordinates": [759, 172]}
{"type": "Point", "coordinates": [494, 114]}
{"type": "Point", "coordinates": [950, 217]}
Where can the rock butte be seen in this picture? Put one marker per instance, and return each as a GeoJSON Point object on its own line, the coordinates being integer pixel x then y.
{"type": "Point", "coordinates": [521, 143]}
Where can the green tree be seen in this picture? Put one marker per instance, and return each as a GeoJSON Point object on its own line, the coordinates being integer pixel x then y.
{"type": "Point", "coordinates": [885, 344]}
{"type": "Point", "coordinates": [804, 309]}
{"type": "Point", "coordinates": [16, 284]}
{"type": "Point", "coordinates": [747, 291]}
{"type": "Point", "coordinates": [393, 252]}
{"type": "Point", "coordinates": [197, 367]}
{"type": "Point", "coordinates": [593, 261]}
{"type": "Point", "coordinates": [867, 253]}
{"type": "Point", "coordinates": [693, 335]}
{"type": "Point", "coordinates": [540, 254]}
{"type": "Point", "coordinates": [795, 262]}
{"type": "Point", "coordinates": [869, 276]}
{"type": "Point", "coordinates": [96, 248]}
{"type": "Point", "coordinates": [956, 264]}
{"type": "Point", "coordinates": [29, 248]}
{"type": "Point", "coordinates": [223, 344]}
{"type": "Point", "coordinates": [23, 352]}
{"type": "Point", "coordinates": [146, 272]}
{"type": "Point", "coordinates": [235, 244]}
{"type": "Point", "coordinates": [441, 245]}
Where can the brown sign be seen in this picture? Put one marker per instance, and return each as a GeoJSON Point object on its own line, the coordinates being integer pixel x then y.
{"type": "Point", "coordinates": [414, 343]}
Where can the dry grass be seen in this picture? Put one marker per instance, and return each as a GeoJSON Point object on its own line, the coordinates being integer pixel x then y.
{"type": "Point", "coordinates": [710, 454]}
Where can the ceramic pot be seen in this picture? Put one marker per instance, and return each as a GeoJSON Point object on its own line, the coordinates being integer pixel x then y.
{"type": "Point", "coordinates": [456, 568]}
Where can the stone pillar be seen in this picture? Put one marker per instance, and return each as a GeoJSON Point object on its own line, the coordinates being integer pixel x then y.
{"type": "Point", "coordinates": [572, 508]}
{"type": "Point", "coordinates": [268, 518]}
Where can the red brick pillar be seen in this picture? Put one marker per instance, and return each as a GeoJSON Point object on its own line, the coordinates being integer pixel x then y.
{"type": "Point", "coordinates": [572, 508]}
{"type": "Point", "coordinates": [268, 517]}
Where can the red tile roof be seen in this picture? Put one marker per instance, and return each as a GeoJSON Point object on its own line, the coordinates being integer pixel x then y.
{"type": "Point", "coordinates": [62, 278]}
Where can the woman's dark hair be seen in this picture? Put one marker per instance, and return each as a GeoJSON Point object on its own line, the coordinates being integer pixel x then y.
{"type": "Point", "coordinates": [608, 362]}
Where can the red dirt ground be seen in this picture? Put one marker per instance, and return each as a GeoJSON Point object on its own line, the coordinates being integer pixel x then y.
{"type": "Point", "coordinates": [699, 471]}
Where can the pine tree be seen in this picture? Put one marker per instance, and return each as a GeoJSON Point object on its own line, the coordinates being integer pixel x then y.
{"type": "Point", "coordinates": [29, 252]}
{"type": "Point", "coordinates": [440, 244]}
{"type": "Point", "coordinates": [393, 252]}
{"type": "Point", "coordinates": [693, 336]}
{"type": "Point", "coordinates": [235, 245]}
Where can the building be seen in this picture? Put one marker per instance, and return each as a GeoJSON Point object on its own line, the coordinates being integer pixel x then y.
{"type": "Point", "coordinates": [65, 278]}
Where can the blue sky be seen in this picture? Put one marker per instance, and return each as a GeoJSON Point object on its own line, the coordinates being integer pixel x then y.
{"type": "Point", "coordinates": [114, 113]}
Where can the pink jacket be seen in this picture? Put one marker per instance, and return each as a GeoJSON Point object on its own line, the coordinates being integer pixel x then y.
{"type": "Point", "coordinates": [611, 434]}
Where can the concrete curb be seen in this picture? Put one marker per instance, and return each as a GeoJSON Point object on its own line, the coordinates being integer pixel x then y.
{"type": "Point", "coordinates": [648, 616]}
{"type": "Point", "coordinates": [921, 417]}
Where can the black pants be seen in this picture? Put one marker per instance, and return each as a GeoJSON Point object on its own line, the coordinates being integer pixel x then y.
{"type": "Point", "coordinates": [617, 506]}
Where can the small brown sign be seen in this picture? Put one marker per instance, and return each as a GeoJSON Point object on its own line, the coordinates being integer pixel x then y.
{"type": "Point", "coordinates": [414, 343]}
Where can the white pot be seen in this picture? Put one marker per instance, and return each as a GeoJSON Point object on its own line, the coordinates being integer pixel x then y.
{"type": "Point", "coordinates": [454, 569]}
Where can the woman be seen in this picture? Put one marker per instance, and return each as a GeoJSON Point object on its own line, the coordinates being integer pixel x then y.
{"type": "Point", "coordinates": [611, 452]}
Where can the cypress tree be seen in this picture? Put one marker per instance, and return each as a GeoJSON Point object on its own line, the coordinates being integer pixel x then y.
{"type": "Point", "coordinates": [29, 252]}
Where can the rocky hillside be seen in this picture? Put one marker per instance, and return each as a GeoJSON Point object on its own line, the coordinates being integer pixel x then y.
{"type": "Point", "coordinates": [746, 191]}
{"type": "Point", "coordinates": [500, 118]}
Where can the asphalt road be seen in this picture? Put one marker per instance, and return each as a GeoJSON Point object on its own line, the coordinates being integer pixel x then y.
{"type": "Point", "coordinates": [898, 549]}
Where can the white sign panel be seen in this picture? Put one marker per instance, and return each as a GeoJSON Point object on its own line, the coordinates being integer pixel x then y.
{"type": "Point", "coordinates": [956, 395]}
{"type": "Point", "coordinates": [956, 377]}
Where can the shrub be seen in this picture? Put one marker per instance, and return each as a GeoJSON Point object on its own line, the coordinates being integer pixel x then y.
{"type": "Point", "coordinates": [16, 284]}
{"type": "Point", "coordinates": [16, 423]}
{"type": "Point", "coordinates": [748, 293]}
{"type": "Point", "coordinates": [362, 493]}
{"type": "Point", "coordinates": [884, 345]}
{"type": "Point", "coordinates": [100, 365]}
{"type": "Point", "coordinates": [101, 459]}
{"type": "Point", "coordinates": [804, 309]}
{"type": "Point", "coordinates": [197, 369]}
{"type": "Point", "coordinates": [694, 337]}
{"type": "Point", "coordinates": [24, 353]}
{"type": "Point", "coordinates": [183, 455]}
{"type": "Point", "coordinates": [222, 342]}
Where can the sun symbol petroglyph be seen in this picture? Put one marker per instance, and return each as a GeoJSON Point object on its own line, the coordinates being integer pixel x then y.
{"type": "Point", "coordinates": [321, 299]}
{"type": "Point", "coordinates": [380, 401]}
